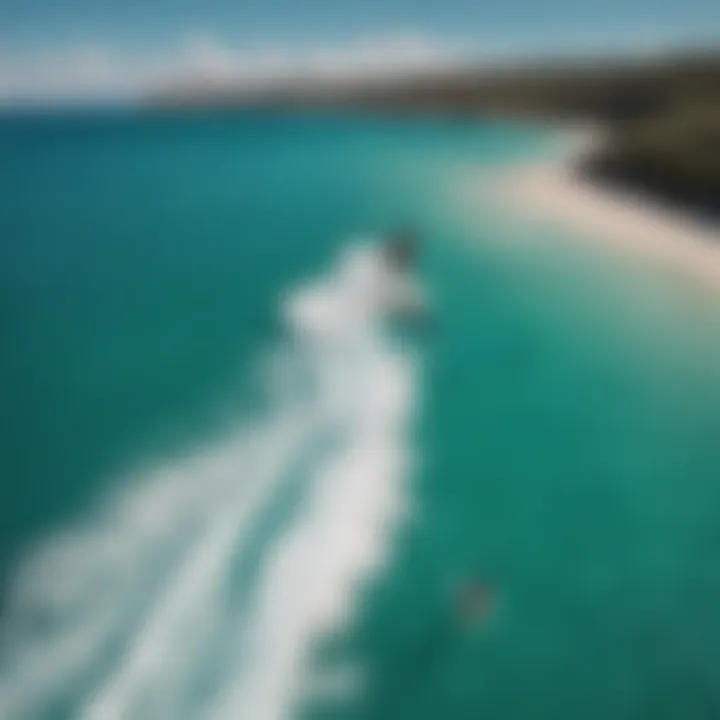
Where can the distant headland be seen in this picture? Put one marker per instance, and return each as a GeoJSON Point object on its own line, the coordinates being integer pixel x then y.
{"type": "Point", "coordinates": [660, 115]}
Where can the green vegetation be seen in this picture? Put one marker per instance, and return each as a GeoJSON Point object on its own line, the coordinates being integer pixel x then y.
{"type": "Point", "coordinates": [662, 117]}
{"type": "Point", "coordinates": [674, 152]}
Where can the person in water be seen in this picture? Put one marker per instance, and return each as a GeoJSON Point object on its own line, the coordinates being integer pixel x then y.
{"type": "Point", "coordinates": [400, 250]}
{"type": "Point", "coordinates": [428, 651]}
{"type": "Point", "coordinates": [403, 296]}
{"type": "Point", "coordinates": [473, 601]}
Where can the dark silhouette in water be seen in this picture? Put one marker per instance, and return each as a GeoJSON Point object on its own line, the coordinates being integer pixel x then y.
{"type": "Point", "coordinates": [473, 601]}
{"type": "Point", "coordinates": [418, 663]}
{"type": "Point", "coordinates": [401, 250]}
{"type": "Point", "coordinates": [410, 310]}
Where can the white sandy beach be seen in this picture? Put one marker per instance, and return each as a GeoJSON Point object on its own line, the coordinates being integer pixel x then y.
{"type": "Point", "coordinates": [551, 192]}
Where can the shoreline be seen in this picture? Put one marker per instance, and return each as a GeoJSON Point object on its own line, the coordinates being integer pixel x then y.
{"type": "Point", "coordinates": [553, 192]}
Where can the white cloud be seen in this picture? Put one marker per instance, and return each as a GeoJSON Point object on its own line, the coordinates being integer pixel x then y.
{"type": "Point", "coordinates": [96, 71]}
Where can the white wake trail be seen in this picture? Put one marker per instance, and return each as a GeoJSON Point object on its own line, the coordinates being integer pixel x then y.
{"type": "Point", "coordinates": [150, 678]}
{"type": "Point", "coordinates": [140, 576]}
{"type": "Point", "coordinates": [367, 389]}
{"type": "Point", "coordinates": [120, 617]}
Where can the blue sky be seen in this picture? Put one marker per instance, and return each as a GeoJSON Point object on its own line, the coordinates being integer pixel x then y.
{"type": "Point", "coordinates": [53, 23]}
{"type": "Point", "coordinates": [67, 37]}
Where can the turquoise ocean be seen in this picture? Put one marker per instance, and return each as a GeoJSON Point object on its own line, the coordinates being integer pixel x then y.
{"type": "Point", "coordinates": [185, 533]}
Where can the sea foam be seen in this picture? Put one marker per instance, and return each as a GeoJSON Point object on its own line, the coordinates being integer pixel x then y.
{"type": "Point", "coordinates": [123, 615]}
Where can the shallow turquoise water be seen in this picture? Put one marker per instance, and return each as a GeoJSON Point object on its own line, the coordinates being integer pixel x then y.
{"type": "Point", "coordinates": [566, 432]}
